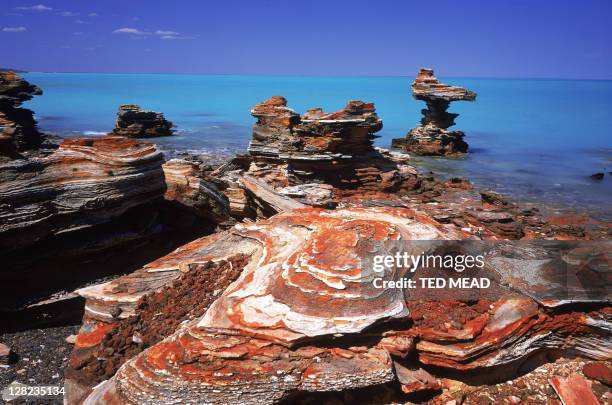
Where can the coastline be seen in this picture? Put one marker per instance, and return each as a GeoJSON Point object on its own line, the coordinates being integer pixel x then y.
{"type": "Point", "coordinates": [295, 216]}
{"type": "Point", "coordinates": [516, 147]}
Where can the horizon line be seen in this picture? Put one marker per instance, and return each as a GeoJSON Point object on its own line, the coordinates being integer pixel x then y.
{"type": "Point", "coordinates": [26, 71]}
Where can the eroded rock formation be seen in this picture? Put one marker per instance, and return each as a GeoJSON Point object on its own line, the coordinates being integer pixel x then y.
{"type": "Point", "coordinates": [303, 315]}
{"type": "Point", "coordinates": [190, 186]}
{"type": "Point", "coordinates": [134, 122]}
{"type": "Point", "coordinates": [333, 148]}
{"type": "Point", "coordinates": [18, 130]}
{"type": "Point", "coordinates": [83, 183]}
{"type": "Point", "coordinates": [432, 137]}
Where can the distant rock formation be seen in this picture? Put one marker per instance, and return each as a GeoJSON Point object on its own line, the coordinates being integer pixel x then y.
{"type": "Point", "coordinates": [333, 148]}
{"type": "Point", "coordinates": [18, 130]}
{"type": "Point", "coordinates": [432, 137]}
{"type": "Point", "coordinates": [134, 122]}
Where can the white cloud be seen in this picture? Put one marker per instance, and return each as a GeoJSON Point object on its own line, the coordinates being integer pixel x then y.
{"type": "Point", "coordinates": [68, 14]}
{"type": "Point", "coordinates": [38, 7]}
{"type": "Point", "coordinates": [171, 37]}
{"type": "Point", "coordinates": [133, 31]}
{"type": "Point", "coordinates": [92, 15]}
{"type": "Point", "coordinates": [14, 29]}
{"type": "Point", "coordinates": [167, 33]}
{"type": "Point", "coordinates": [80, 22]}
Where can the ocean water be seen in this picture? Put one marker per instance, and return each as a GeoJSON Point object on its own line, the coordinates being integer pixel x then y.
{"type": "Point", "coordinates": [534, 140]}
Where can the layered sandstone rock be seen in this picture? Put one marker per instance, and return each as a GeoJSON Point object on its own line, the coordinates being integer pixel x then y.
{"type": "Point", "coordinates": [433, 136]}
{"type": "Point", "coordinates": [18, 130]}
{"type": "Point", "coordinates": [303, 315]}
{"type": "Point", "coordinates": [188, 185]}
{"type": "Point", "coordinates": [333, 148]}
{"type": "Point", "coordinates": [83, 183]}
{"type": "Point", "coordinates": [134, 122]}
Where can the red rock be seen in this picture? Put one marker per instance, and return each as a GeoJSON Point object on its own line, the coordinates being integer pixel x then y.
{"type": "Point", "coordinates": [433, 136]}
{"type": "Point", "coordinates": [598, 371]}
{"type": "Point", "coordinates": [246, 336]}
{"type": "Point", "coordinates": [301, 316]}
{"type": "Point", "coordinates": [574, 390]}
{"type": "Point", "coordinates": [414, 380]}
{"type": "Point", "coordinates": [332, 148]}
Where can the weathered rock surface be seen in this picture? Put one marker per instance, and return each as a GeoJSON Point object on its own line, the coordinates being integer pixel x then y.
{"type": "Point", "coordinates": [83, 183]}
{"type": "Point", "coordinates": [134, 122]}
{"type": "Point", "coordinates": [293, 255]}
{"type": "Point", "coordinates": [313, 194]}
{"type": "Point", "coordinates": [303, 317]}
{"type": "Point", "coordinates": [598, 371]}
{"type": "Point", "coordinates": [574, 390]}
{"type": "Point", "coordinates": [433, 136]}
{"type": "Point", "coordinates": [188, 185]}
{"type": "Point", "coordinates": [5, 354]}
{"type": "Point", "coordinates": [18, 130]}
{"type": "Point", "coordinates": [332, 148]}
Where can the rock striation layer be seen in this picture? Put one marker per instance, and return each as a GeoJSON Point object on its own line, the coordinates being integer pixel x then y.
{"type": "Point", "coordinates": [333, 148]}
{"type": "Point", "coordinates": [18, 130]}
{"type": "Point", "coordinates": [190, 186]}
{"type": "Point", "coordinates": [83, 183]}
{"type": "Point", "coordinates": [248, 340]}
{"type": "Point", "coordinates": [303, 315]}
{"type": "Point", "coordinates": [432, 137]}
{"type": "Point", "coordinates": [134, 122]}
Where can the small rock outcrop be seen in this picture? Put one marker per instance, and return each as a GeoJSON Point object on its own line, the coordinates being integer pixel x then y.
{"type": "Point", "coordinates": [432, 137]}
{"type": "Point", "coordinates": [188, 185]}
{"type": "Point", "coordinates": [133, 122]}
{"type": "Point", "coordinates": [332, 148]}
{"type": "Point", "coordinates": [18, 131]}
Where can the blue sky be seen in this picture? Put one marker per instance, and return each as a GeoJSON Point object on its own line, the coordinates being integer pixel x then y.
{"type": "Point", "coordinates": [521, 38]}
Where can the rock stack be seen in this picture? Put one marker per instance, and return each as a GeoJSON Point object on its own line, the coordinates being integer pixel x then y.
{"type": "Point", "coordinates": [134, 122]}
{"type": "Point", "coordinates": [333, 148]}
{"type": "Point", "coordinates": [18, 130]}
{"type": "Point", "coordinates": [432, 137]}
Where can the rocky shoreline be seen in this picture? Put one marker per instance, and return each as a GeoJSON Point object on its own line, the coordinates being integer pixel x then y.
{"type": "Point", "coordinates": [240, 283]}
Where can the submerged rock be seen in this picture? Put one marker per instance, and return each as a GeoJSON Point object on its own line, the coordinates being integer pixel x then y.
{"type": "Point", "coordinates": [18, 131]}
{"type": "Point", "coordinates": [134, 122]}
{"type": "Point", "coordinates": [432, 137]}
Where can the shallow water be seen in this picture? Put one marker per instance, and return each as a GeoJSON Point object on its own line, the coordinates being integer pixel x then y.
{"type": "Point", "coordinates": [530, 139]}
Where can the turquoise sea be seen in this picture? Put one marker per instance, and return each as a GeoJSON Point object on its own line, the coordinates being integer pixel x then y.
{"type": "Point", "coordinates": [534, 140]}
